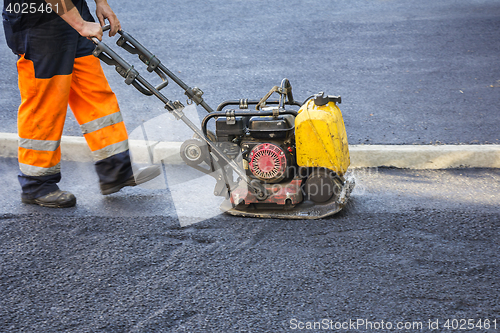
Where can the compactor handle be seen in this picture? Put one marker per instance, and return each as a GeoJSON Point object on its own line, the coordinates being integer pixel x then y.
{"type": "Point", "coordinates": [106, 27]}
{"type": "Point", "coordinates": [132, 77]}
{"type": "Point", "coordinates": [106, 54]}
{"type": "Point", "coordinates": [131, 45]}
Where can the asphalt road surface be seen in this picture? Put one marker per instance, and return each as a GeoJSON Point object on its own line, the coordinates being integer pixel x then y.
{"type": "Point", "coordinates": [408, 71]}
{"type": "Point", "coordinates": [411, 246]}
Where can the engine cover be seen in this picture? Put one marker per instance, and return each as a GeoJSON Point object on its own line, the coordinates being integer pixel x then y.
{"type": "Point", "coordinates": [268, 162]}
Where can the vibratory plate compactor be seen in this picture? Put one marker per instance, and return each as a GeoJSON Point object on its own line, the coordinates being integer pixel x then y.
{"type": "Point", "coordinates": [280, 159]}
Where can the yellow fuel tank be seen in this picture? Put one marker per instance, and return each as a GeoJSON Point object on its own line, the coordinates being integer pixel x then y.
{"type": "Point", "coordinates": [320, 136]}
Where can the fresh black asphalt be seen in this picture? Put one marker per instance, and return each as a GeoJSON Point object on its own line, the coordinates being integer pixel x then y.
{"type": "Point", "coordinates": [103, 274]}
{"type": "Point", "coordinates": [411, 246]}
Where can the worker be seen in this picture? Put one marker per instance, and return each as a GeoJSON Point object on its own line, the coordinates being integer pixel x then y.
{"type": "Point", "coordinates": [56, 68]}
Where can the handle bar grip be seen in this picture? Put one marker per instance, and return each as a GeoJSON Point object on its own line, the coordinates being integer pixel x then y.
{"type": "Point", "coordinates": [104, 29]}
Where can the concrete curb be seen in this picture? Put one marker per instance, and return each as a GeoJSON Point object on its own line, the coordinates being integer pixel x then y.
{"type": "Point", "coordinates": [362, 156]}
{"type": "Point", "coordinates": [426, 157]}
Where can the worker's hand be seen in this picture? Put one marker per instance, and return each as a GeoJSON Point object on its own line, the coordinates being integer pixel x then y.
{"type": "Point", "coordinates": [103, 12]}
{"type": "Point", "coordinates": [70, 14]}
{"type": "Point", "coordinates": [90, 29]}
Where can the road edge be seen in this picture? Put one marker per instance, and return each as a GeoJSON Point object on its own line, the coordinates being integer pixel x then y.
{"type": "Point", "coordinates": [362, 156]}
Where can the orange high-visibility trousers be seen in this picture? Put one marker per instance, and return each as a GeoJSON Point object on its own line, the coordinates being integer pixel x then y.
{"type": "Point", "coordinates": [43, 111]}
{"type": "Point", "coordinates": [56, 69]}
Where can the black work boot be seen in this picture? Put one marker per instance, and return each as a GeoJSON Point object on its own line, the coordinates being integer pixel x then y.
{"type": "Point", "coordinates": [56, 199]}
{"type": "Point", "coordinates": [141, 176]}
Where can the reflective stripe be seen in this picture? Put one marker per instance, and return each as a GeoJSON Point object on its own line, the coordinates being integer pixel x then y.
{"type": "Point", "coordinates": [102, 122]}
{"type": "Point", "coordinates": [31, 170]}
{"type": "Point", "coordinates": [45, 145]}
{"type": "Point", "coordinates": [110, 150]}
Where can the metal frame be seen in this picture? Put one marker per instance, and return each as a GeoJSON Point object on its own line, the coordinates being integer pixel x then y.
{"type": "Point", "coordinates": [132, 77]}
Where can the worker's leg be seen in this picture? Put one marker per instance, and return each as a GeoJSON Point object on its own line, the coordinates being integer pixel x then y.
{"type": "Point", "coordinates": [40, 124]}
{"type": "Point", "coordinates": [44, 82]}
{"type": "Point", "coordinates": [96, 109]}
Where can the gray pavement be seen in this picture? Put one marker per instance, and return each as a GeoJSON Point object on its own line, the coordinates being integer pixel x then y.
{"type": "Point", "coordinates": [411, 246]}
{"type": "Point", "coordinates": [408, 72]}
